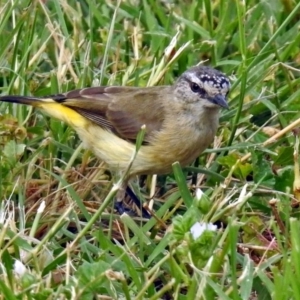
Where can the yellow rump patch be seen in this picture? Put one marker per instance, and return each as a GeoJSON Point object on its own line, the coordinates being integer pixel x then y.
{"type": "Point", "coordinates": [63, 113]}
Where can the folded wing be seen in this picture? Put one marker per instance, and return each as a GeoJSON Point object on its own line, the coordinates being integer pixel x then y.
{"type": "Point", "coordinates": [122, 110]}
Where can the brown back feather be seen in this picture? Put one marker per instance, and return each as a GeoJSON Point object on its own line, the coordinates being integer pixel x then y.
{"type": "Point", "coordinates": [122, 110]}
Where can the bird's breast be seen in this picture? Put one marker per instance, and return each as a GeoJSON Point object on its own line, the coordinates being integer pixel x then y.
{"type": "Point", "coordinates": [179, 141]}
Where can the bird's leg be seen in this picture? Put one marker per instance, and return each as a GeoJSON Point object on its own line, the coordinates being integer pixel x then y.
{"type": "Point", "coordinates": [137, 202]}
{"type": "Point", "coordinates": [119, 204]}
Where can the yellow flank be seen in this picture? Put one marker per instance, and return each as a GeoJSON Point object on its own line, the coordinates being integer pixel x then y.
{"type": "Point", "coordinates": [106, 145]}
{"type": "Point", "coordinates": [63, 113]}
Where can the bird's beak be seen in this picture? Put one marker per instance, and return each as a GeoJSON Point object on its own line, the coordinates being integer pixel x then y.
{"type": "Point", "coordinates": [219, 100]}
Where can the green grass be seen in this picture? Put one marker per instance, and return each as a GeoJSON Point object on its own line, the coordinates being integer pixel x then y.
{"type": "Point", "coordinates": [76, 248]}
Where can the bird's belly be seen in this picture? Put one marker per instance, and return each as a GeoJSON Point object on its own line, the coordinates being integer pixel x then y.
{"type": "Point", "coordinates": [158, 159]}
{"type": "Point", "coordinates": [155, 158]}
{"type": "Point", "coordinates": [115, 151]}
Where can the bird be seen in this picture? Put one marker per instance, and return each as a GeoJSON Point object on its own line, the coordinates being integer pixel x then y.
{"type": "Point", "coordinates": [180, 120]}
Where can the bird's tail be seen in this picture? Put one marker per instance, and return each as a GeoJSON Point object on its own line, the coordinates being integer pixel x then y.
{"type": "Point", "coordinates": [27, 100]}
{"type": "Point", "coordinates": [53, 106]}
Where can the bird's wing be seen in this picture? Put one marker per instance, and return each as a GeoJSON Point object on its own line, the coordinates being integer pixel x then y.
{"type": "Point", "coordinates": [122, 110]}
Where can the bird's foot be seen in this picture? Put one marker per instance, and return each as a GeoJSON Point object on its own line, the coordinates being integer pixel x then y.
{"type": "Point", "coordinates": [121, 208]}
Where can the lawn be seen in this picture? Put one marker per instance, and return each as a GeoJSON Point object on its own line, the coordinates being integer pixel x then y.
{"type": "Point", "coordinates": [225, 227]}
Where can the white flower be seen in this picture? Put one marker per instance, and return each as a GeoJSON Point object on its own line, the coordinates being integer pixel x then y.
{"type": "Point", "coordinates": [199, 194]}
{"type": "Point", "coordinates": [19, 268]}
{"type": "Point", "coordinates": [198, 228]}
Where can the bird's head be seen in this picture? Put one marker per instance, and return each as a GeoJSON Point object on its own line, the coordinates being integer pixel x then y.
{"type": "Point", "coordinates": [204, 85]}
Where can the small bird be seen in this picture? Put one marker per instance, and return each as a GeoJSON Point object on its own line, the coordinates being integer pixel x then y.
{"type": "Point", "coordinates": [181, 120]}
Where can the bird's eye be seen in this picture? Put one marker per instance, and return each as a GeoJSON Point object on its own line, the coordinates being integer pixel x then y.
{"type": "Point", "coordinates": [195, 87]}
